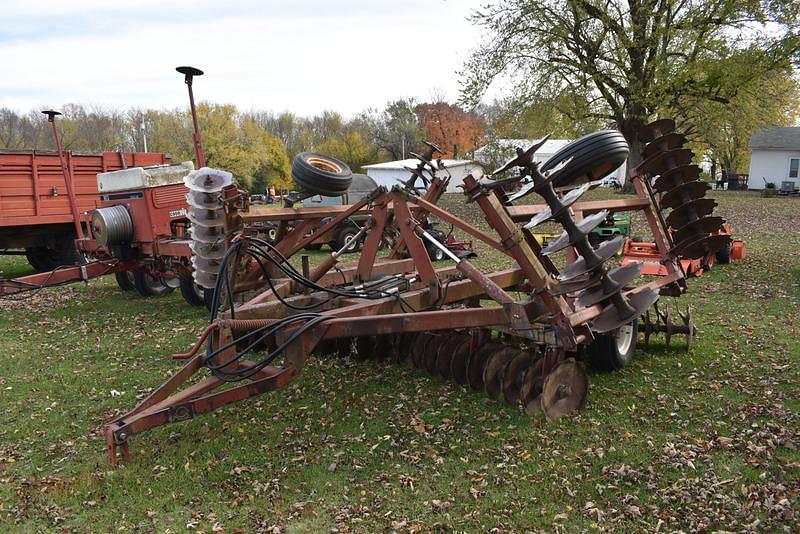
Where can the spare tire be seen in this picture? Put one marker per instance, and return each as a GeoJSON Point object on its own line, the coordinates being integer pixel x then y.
{"type": "Point", "coordinates": [319, 174]}
{"type": "Point", "coordinates": [593, 156]}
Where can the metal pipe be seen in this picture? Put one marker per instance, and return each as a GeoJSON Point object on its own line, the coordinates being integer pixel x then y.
{"type": "Point", "coordinates": [73, 201]}
{"type": "Point", "coordinates": [189, 73]}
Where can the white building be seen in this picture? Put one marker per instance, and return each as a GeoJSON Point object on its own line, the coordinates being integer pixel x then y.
{"type": "Point", "coordinates": [392, 172]}
{"type": "Point", "coordinates": [501, 150]}
{"type": "Point", "coordinates": [776, 157]}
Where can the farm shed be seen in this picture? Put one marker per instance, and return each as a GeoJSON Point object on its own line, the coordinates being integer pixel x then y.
{"type": "Point", "coordinates": [390, 173]}
{"type": "Point", "coordinates": [776, 157]}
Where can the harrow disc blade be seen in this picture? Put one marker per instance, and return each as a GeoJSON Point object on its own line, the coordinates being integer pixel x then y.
{"type": "Point", "coordinates": [701, 247]}
{"type": "Point", "coordinates": [418, 350]}
{"type": "Point", "coordinates": [384, 347]}
{"type": "Point", "coordinates": [610, 319]}
{"type": "Point", "coordinates": [365, 347]}
{"type": "Point", "coordinates": [683, 193]}
{"type": "Point", "coordinates": [446, 351]}
{"type": "Point", "coordinates": [665, 161]}
{"type": "Point", "coordinates": [564, 390]}
{"type": "Point", "coordinates": [405, 344]}
{"type": "Point", "coordinates": [606, 250]}
{"type": "Point", "coordinates": [459, 363]}
{"type": "Point", "coordinates": [531, 392]}
{"type": "Point", "coordinates": [655, 129]}
{"type": "Point", "coordinates": [669, 141]}
{"type": "Point", "coordinates": [494, 371]}
{"type": "Point", "coordinates": [344, 347]}
{"type": "Point", "coordinates": [432, 351]}
{"type": "Point", "coordinates": [675, 177]}
{"type": "Point", "coordinates": [699, 228]}
{"type": "Point", "coordinates": [578, 284]}
{"type": "Point", "coordinates": [584, 227]}
{"type": "Point", "coordinates": [514, 375]}
{"type": "Point", "coordinates": [686, 212]}
{"type": "Point", "coordinates": [477, 363]}
{"type": "Point", "coordinates": [619, 277]}
{"type": "Point", "coordinates": [566, 201]}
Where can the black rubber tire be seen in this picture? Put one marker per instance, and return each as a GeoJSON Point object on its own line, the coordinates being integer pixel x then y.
{"type": "Point", "coordinates": [341, 239]}
{"type": "Point", "coordinates": [593, 157]}
{"type": "Point", "coordinates": [724, 255]}
{"type": "Point", "coordinates": [49, 258]}
{"type": "Point", "coordinates": [435, 253]}
{"type": "Point", "coordinates": [37, 259]}
{"type": "Point", "coordinates": [149, 286]}
{"type": "Point", "coordinates": [191, 292]}
{"type": "Point", "coordinates": [320, 174]}
{"type": "Point", "coordinates": [208, 298]}
{"type": "Point", "coordinates": [606, 354]}
{"type": "Point", "coordinates": [125, 280]}
{"type": "Point", "coordinates": [313, 246]}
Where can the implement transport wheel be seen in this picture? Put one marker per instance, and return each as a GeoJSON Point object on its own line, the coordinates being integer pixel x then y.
{"type": "Point", "coordinates": [344, 235]}
{"type": "Point", "coordinates": [191, 292]}
{"type": "Point", "coordinates": [564, 390]}
{"type": "Point", "coordinates": [319, 174]}
{"type": "Point", "coordinates": [614, 350]}
{"type": "Point", "coordinates": [124, 280]}
{"type": "Point", "coordinates": [148, 285]}
{"type": "Point", "coordinates": [593, 157]}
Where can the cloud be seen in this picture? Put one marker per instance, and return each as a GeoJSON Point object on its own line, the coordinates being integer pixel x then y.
{"type": "Point", "coordinates": [303, 56]}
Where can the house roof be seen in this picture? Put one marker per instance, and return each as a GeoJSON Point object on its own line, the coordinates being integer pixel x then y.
{"type": "Point", "coordinates": [776, 138]}
{"type": "Point", "coordinates": [411, 162]}
{"type": "Point", "coordinates": [551, 146]}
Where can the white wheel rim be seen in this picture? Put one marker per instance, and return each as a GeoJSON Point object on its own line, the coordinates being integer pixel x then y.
{"type": "Point", "coordinates": [624, 338]}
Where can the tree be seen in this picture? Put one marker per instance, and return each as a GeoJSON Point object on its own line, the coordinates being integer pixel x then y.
{"type": "Point", "coordinates": [395, 130]}
{"type": "Point", "coordinates": [625, 59]}
{"type": "Point", "coordinates": [455, 131]}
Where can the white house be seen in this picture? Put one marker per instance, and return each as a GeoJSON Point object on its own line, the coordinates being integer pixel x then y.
{"type": "Point", "coordinates": [502, 150]}
{"type": "Point", "coordinates": [392, 172]}
{"type": "Point", "coordinates": [776, 157]}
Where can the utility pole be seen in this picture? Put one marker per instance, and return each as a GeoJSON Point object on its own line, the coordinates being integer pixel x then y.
{"type": "Point", "coordinates": [144, 135]}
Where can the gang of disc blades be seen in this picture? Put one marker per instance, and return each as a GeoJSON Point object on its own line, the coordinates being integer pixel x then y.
{"type": "Point", "coordinates": [606, 250]}
{"type": "Point", "coordinates": [686, 212]}
{"type": "Point", "coordinates": [683, 193]}
{"type": "Point", "coordinates": [514, 375]}
{"type": "Point", "coordinates": [477, 363]}
{"type": "Point", "coordinates": [701, 247]}
{"type": "Point", "coordinates": [699, 228]}
{"type": "Point", "coordinates": [675, 177]}
{"type": "Point", "coordinates": [664, 161]}
{"type": "Point", "coordinates": [585, 226]}
{"type": "Point", "coordinates": [665, 142]}
{"type": "Point", "coordinates": [649, 132]}
{"type": "Point", "coordinates": [532, 387]}
{"type": "Point", "coordinates": [610, 319]}
{"type": "Point", "coordinates": [566, 201]}
{"type": "Point", "coordinates": [494, 371]}
{"type": "Point", "coordinates": [620, 276]}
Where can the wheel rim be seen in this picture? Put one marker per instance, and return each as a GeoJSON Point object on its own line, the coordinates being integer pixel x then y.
{"type": "Point", "coordinates": [172, 283]}
{"type": "Point", "coordinates": [438, 255]}
{"type": "Point", "coordinates": [272, 233]}
{"type": "Point", "coordinates": [324, 165]}
{"type": "Point", "coordinates": [347, 237]}
{"type": "Point", "coordinates": [624, 338]}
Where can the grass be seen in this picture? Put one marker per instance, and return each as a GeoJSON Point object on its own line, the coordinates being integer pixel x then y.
{"type": "Point", "coordinates": [704, 440]}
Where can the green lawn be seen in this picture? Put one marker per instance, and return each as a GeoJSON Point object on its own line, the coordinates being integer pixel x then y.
{"type": "Point", "coordinates": [705, 440]}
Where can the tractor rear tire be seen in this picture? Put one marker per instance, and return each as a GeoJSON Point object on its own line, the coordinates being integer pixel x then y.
{"type": "Point", "coordinates": [191, 292]}
{"type": "Point", "coordinates": [319, 174]}
{"type": "Point", "coordinates": [125, 280]}
{"type": "Point", "coordinates": [614, 351]}
{"type": "Point", "coordinates": [149, 286]}
{"type": "Point", "coordinates": [593, 157]}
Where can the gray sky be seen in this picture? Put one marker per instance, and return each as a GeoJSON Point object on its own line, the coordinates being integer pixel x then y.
{"type": "Point", "coordinates": [304, 56]}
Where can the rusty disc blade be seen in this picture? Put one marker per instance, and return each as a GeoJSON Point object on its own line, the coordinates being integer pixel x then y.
{"type": "Point", "coordinates": [564, 390]}
{"type": "Point", "coordinates": [669, 141]}
{"type": "Point", "coordinates": [446, 351]}
{"type": "Point", "coordinates": [578, 284]}
{"type": "Point", "coordinates": [383, 346]}
{"type": "Point", "coordinates": [477, 363]}
{"type": "Point", "coordinates": [683, 193]}
{"type": "Point", "coordinates": [701, 247]}
{"type": "Point", "coordinates": [459, 363]}
{"type": "Point", "coordinates": [418, 350]}
{"type": "Point", "coordinates": [432, 351]}
{"type": "Point", "coordinates": [514, 375]}
{"type": "Point", "coordinates": [344, 347]}
{"type": "Point", "coordinates": [676, 177]}
{"type": "Point", "coordinates": [585, 226]}
{"type": "Point", "coordinates": [655, 129]}
{"type": "Point", "coordinates": [579, 267]}
{"type": "Point", "coordinates": [532, 387]}
{"type": "Point", "coordinates": [610, 319]}
{"type": "Point", "coordinates": [664, 161]}
{"type": "Point", "coordinates": [698, 228]}
{"type": "Point", "coordinates": [689, 211]}
{"type": "Point", "coordinates": [619, 276]}
{"type": "Point", "coordinates": [405, 344]}
{"type": "Point", "coordinates": [494, 370]}
{"type": "Point", "coordinates": [566, 201]}
{"type": "Point", "coordinates": [365, 347]}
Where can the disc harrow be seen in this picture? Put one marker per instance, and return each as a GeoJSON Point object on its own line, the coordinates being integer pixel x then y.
{"type": "Point", "coordinates": [453, 321]}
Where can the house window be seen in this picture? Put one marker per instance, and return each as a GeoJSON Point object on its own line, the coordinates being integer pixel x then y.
{"type": "Point", "coordinates": [794, 167]}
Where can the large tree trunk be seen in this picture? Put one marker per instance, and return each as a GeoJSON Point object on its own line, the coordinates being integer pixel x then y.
{"type": "Point", "coordinates": [630, 129]}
